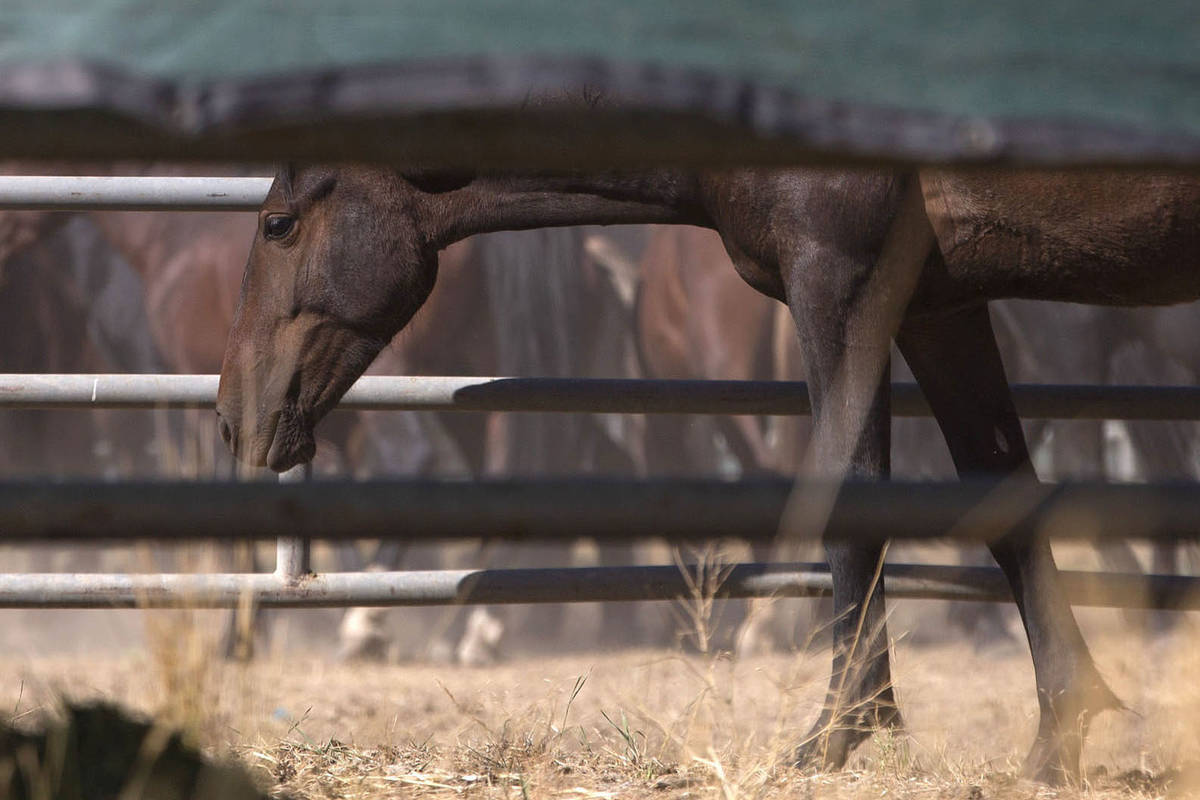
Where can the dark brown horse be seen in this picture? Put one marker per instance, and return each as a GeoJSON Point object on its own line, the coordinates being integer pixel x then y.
{"type": "Point", "coordinates": [345, 256]}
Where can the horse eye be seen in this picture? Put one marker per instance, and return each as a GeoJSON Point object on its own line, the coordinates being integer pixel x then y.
{"type": "Point", "coordinates": [278, 226]}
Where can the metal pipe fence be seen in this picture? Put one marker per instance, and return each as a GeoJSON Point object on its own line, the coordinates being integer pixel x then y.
{"type": "Point", "coordinates": [131, 193]}
{"type": "Point", "coordinates": [610, 510]}
{"type": "Point", "coordinates": [567, 585]}
{"type": "Point", "coordinates": [584, 395]}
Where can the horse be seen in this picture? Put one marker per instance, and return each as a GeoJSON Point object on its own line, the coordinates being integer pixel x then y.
{"type": "Point", "coordinates": [344, 257]}
{"type": "Point", "coordinates": [189, 270]}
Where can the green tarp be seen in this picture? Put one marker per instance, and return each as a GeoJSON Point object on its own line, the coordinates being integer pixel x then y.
{"type": "Point", "coordinates": [546, 81]}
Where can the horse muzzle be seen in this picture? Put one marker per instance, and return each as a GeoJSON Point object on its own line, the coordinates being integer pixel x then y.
{"type": "Point", "coordinates": [292, 443]}
{"type": "Point", "coordinates": [279, 446]}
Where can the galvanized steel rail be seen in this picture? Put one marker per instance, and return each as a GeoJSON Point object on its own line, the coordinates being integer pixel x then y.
{"type": "Point", "coordinates": [573, 585]}
{"type": "Point", "coordinates": [131, 193]}
{"type": "Point", "coordinates": [613, 396]}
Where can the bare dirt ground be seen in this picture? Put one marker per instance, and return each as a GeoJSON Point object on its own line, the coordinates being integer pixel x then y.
{"type": "Point", "coordinates": [646, 723]}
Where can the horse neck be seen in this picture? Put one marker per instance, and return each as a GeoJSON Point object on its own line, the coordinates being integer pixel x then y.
{"type": "Point", "coordinates": [510, 203]}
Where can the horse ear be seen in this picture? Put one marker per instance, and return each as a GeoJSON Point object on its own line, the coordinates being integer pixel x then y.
{"type": "Point", "coordinates": [437, 181]}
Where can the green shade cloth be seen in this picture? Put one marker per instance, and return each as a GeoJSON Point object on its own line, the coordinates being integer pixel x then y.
{"type": "Point", "coordinates": [500, 80]}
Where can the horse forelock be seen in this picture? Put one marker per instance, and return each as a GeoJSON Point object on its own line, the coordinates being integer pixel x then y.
{"type": "Point", "coordinates": [286, 178]}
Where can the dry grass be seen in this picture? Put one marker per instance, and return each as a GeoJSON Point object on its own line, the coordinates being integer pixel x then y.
{"type": "Point", "coordinates": [635, 724]}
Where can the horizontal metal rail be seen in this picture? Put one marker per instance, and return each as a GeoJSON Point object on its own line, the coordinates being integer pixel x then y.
{"type": "Point", "coordinates": [568, 585]}
{"type": "Point", "coordinates": [132, 193]}
{"type": "Point", "coordinates": [682, 510]}
{"type": "Point", "coordinates": [615, 396]}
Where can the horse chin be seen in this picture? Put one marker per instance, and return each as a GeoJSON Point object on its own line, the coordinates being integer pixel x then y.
{"type": "Point", "coordinates": [292, 444]}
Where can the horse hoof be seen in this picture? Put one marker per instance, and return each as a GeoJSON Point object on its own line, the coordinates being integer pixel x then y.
{"type": "Point", "coordinates": [827, 746]}
{"type": "Point", "coordinates": [1051, 766]}
{"type": "Point", "coordinates": [1055, 755]}
{"type": "Point", "coordinates": [825, 750]}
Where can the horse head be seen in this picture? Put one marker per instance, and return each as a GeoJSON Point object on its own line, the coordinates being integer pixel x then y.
{"type": "Point", "coordinates": [341, 261]}
{"type": "Point", "coordinates": [344, 257]}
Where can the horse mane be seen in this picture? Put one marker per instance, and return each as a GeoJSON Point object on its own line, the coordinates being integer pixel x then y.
{"type": "Point", "coordinates": [438, 181]}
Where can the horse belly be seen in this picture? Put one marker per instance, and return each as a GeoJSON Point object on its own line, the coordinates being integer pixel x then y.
{"type": "Point", "coordinates": [1109, 238]}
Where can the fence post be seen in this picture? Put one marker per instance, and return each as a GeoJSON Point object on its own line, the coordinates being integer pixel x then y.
{"type": "Point", "coordinates": [293, 555]}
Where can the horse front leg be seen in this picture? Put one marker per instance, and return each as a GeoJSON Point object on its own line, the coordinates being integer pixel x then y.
{"type": "Point", "coordinates": [860, 698]}
{"type": "Point", "coordinates": [851, 408]}
{"type": "Point", "coordinates": [955, 360]}
{"type": "Point", "coordinates": [847, 369]}
{"type": "Point", "coordinates": [848, 277]}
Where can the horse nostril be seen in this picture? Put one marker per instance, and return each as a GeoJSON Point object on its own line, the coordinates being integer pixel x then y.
{"type": "Point", "coordinates": [226, 430]}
